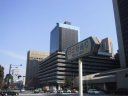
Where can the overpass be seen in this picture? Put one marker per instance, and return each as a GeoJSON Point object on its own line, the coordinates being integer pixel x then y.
{"type": "Point", "coordinates": [108, 80]}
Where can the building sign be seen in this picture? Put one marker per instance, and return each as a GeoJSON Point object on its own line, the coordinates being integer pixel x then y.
{"type": "Point", "coordinates": [86, 47]}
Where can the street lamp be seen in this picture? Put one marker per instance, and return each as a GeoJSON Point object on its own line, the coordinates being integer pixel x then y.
{"type": "Point", "coordinates": [11, 67]}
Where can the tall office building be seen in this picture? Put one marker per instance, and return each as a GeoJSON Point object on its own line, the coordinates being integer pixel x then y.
{"type": "Point", "coordinates": [121, 19]}
{"type": "Point", "coordinates": [56, 71]}
{"type": "Point", "coordinates": [33, 59]}
{"type": "Point", "coordinates": [63, 36]}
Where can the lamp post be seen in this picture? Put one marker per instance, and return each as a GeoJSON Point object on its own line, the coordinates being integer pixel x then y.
{"type": "Point", "coordinates": [11, 67]}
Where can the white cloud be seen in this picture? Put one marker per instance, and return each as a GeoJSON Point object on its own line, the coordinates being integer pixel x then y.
{"type": "Point", "coordinates": [13, 54]}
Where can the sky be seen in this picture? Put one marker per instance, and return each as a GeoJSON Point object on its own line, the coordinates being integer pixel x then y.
{"type": "Point", "coordinates": [26, 25]}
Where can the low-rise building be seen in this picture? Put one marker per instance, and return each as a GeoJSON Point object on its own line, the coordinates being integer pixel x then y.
{"type": "Point", "coordinates": [55, 70]}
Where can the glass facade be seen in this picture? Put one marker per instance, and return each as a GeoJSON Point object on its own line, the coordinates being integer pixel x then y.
{"type": "Point", "coordinates": [121, 18]}
{"type": "Point", "coordinates": [54, 39]}
{"type": "Point", "coordinates": [68, 38]}
{"type": "Point", "coordinates": [62, 37]}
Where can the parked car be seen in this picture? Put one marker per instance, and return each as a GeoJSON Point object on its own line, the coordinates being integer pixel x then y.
{"type": "Point", "coordinates": [74, 91]}
{"type": "Point", "coordinates": [36, 91]}
{"type": "Point", "coordinates": [94, 91]}
{"type": "Point", "coordinates": [60, 91]}
{"type": "Point", "coordinates": [68, 91]}
{"type": "Point", "coordinates": [8, 92]}
{"type": "Point", "coordinates": [22, 90]}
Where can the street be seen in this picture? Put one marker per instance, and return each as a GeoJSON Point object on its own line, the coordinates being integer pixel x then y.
{"type": "Point", "coordinates": [53, 94]}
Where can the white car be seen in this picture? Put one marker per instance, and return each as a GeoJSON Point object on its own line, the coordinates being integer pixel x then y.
{"type": "Point", "coordinates": [22, 90]}
{"type": "Point", "coordinates": [68, 91]}
{"type": "Point", "coordinates": [60, 91]}
{"type": "Point", "coordinates": [93, 91]}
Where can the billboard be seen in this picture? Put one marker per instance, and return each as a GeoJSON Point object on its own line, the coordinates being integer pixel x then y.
{"type": "Point", "coordinates": [86, 47]}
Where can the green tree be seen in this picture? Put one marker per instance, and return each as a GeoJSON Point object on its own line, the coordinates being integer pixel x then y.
{"type": "Point", "coordinates": [1, 75]}
{"type": "Point", "coordinates": [68, 82]}
{"type": "Point", "coordinates": [8, 78]}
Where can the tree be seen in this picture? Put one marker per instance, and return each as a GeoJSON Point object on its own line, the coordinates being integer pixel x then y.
{"type": "Point", "coordinates": [68, 82]}
{"type": "Point", "coordinates": [1, 75]}
{"type": "Point", "coordinates": [8, 78]}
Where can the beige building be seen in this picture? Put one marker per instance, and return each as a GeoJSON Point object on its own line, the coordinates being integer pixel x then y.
{"type": "Point", "coordinates": [33, 59]}
{"type": "Point", "coordinates": [106, 47]}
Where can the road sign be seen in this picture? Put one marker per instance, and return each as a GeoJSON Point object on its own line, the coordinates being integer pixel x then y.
{"type": "Point", "coordinates": [89, 46]}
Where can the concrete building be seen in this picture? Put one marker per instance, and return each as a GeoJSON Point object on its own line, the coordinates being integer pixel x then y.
{"type": "Point", "coordinates": [121, 19]}
{"type": "Point", "coordinates": [52, 70]}
{"type": "Point", "coordinates": [115, 80]}
{"type": "Point", "coordinates": [33, 59]}
{"type": "Point", "coordinates": [55, 70]}
{"type": "Point", "coordinates": [63, 36]}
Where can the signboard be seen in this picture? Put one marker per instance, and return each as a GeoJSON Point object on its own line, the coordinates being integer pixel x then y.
{"type": "Point", "coordinates": [86, 47]}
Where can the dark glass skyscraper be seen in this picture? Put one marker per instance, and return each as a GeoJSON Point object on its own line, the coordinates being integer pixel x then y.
{"type": "Point", "coordinates": [121, 19]}
{"type": "Point", "coordinates": [63, 36]}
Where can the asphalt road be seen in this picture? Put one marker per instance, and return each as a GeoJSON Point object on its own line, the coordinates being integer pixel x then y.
{"type": "Point", "coordinates": [33, 94]}
{"type": "Point", "coordinates": [53, 94]}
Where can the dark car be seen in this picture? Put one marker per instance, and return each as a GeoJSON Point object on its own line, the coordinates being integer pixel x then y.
{"type": "Point", "coordinates": [8, 92]}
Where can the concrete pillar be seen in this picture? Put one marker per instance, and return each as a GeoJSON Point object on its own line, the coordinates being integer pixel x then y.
{"type": "Point", "coordinates": [80, 78]}
{"type": "Point", "coordinates": [59, 88]}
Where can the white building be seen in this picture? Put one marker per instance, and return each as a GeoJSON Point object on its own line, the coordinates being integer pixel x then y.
{"type": "Point", "coordinates": [15, 74]}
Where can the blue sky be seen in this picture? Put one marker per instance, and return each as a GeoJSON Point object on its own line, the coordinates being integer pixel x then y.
{"type": "Point", "coordinates": [26, 25]}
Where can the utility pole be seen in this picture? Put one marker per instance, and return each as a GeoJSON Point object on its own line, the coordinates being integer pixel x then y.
{"type": "Point", "coordinates": [9, 74]}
